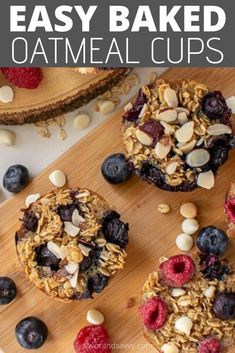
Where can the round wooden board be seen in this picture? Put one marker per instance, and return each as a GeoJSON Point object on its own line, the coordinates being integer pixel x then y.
{"type": "Point", "coordinates": [62, 90]}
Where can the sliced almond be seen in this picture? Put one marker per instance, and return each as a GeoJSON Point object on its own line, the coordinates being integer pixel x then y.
{"type": "Point", "coordinates": [182, 110]}
{"type": "Point", "coordinates": [182, 118]}
{"type": "Point", "coordinates": [198, 158]}
{"type": "Point", "coordinates": [84, 249]}
{"type": "Point", "coordinates": [188, 147]}
{"type": "Point", "coordinates": [170, 97]}
{"type": "Point", "coordinates": [71, 268]}
{"type": "Point", "coordinates": [185, 133]}
{"type": "Point", "coordinates": [206, 180]}
{"type": "Point", "coordinates": [76, 218]}
{"type": "Point", "coordinates": [168, 115]}
{"type": "Point", "coordinates": [144, 138]}
{"type": "Point", "coordinates": [161, 151]}
{"type": "Point", "coordinates": [231, 103]}
{"type": "Point", "coordinates": [143, 110]}
{"type": "Point", "coordinates": [219, 129]}
{"type": "Point", "coordinates": [74, 280]}
{"type": "Point", "coordinates": [171, 168]}
{"type": "Point", "coordinates": [70, 229]}
{"type": "Point", "coordinates": [168, 128]}
{"type": "Point", "coordinates": [200, 141]}
{"type": "Point", "coordinates": [54, 248]}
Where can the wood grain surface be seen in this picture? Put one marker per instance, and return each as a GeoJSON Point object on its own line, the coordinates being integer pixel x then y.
{"type": "Point", "coordinates": [152, 235]}
{"type": "Point", "coordinates": [61, 90]}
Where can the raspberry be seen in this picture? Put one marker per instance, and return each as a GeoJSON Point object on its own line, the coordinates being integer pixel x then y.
{"type": "Point", "coordinates": [92, 339]}
{"type": "Point", "coordinates": [210, 345]}
{"type": "Point", "coordinates": [23, 77]}
{"type": "Point", "coordinates": [154, 313]}
{"type": "Point", "coordinates": [177, 270]}
{"type": "Point", "coordinates": [230, 209]}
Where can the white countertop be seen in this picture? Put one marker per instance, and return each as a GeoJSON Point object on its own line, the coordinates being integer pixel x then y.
{"type": "Point", "coordinates": [36, 153]}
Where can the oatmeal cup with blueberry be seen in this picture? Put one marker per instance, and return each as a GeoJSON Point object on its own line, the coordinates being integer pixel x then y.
{"type": "Point", "coordinates": [177, 134]}
{"type": "Point", "coordinates": [188, 305]}
{"type": "Point", "coordinates": [70, 243]}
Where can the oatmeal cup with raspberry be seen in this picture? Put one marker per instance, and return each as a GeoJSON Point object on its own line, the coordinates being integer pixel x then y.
{"type": "Point", "coordinates": [188, 305]}
{"type": "Point", "coordinates": [177, 134]}
{"type": "Point", "coordinates": [71, 243]}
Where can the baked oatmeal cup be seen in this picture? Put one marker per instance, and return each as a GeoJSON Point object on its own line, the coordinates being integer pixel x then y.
{"type": "Point", "coordinates": [71, 243]}
{"type": "Point", "coordinates": [177, 134]}
{"type": "Point", "coordinates": [188, 305]}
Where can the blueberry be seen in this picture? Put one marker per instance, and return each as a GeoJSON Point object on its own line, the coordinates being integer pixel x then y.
{"type": "Point", "coordinates": [97, 283]}
{"type": "Point", "coordinates": [31, 333]}
{"type": "Point", "coordinates": [214, 105]}
{"type": "Point", "coordinates": [7, 290]}
{"type": "Point", "coordinates": [85, 264]}
{"type": "Point", "coordinates": [65, 211]}
{"type": "Point", "coordinates": [16, 178]}
{"type": "Point", "coordinates": [115, 169]}
{"type": "Point", "coordinates": [213, 267]}
{"type": "Point", "coordinates": [114, 230]}
{"type": "Point", "coordinates": [30, 221]}
{"type": "Point", "coordinates": [212, 240]}
{"type": "Point", "coordinates": [46, 258]}
{"type": "Point", "coordinates": [224, 306]}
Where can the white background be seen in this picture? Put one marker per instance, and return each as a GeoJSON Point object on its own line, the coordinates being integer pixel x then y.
{"type": "Point", "coordinates": [36, 153]}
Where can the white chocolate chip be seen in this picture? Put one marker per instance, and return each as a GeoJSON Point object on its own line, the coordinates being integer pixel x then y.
{"type": "Point", "coordinates": [144, 138]}
{"type": "Point", "coordinates": [70, 229]}
{"type": "Point", "coordinates": [6, 94]}
{"type": "Point", "coordinates": [209, 292]}
{"type": "Point", "coordinates": [106, 107]}
{"type": "Point", "coordinates": [185, 133]}
{"type": "Point", "coordinates": [54, 248]}
{"type": "Point", "coordinates": [231, 103]}
{"type": "Point", "coordinates": [184, 242]}
{"type": "Point", "coordinates": [74, 279]}
{"type": "Point", "coordinates": [177, 292]}
{"type": "Point", "coordinates": [31, 198]}
{"type": "Point", "coordinates": [182, 118]}
{"type": "Point", "coordinates": [95, 317]}
{"type": "Point", "coordinates": [7, 137]}
{"type": "Point", "coordinates": [169, 348]}
{"type": "Point", "coordinates": [57, 178]}
{"type": "Point", "coordinates": [184, 325]}
{"type": "Point", "coordinates": [198, 158]}
{"type": "Point", "coordinates": [190, 226]}
{"type": "Point", "coordinates": [168, 115]}
{"type": "Point", "coordinates": [206, 180]}
{"type": "Point", "coordinates": [71, 268]}
{"type": "Point", "coordinates": [161, 151]}
{"type": "Point", "coordinates": [170, 97]}
{"type": "Point", "coordinates": [219, 129]}
{"type": "Point", "coordinates": [81, 121]}
{"type": "Point", "coordinates": [188, 210]}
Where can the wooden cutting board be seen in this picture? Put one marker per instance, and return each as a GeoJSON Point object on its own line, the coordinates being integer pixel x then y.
{"type": "Point", "coordinates": [152, 235]}
{"type": "Point", "coordinates": [61, 90]}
